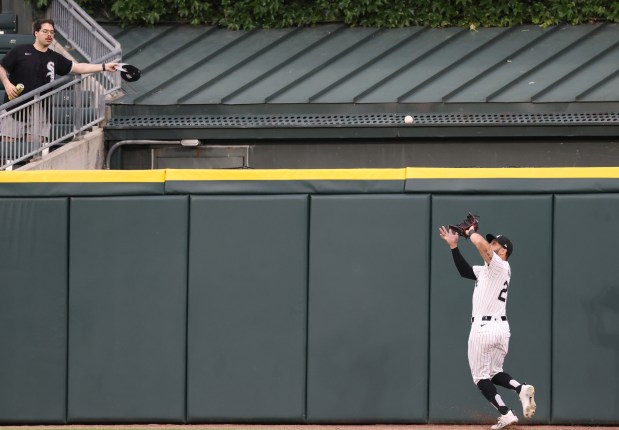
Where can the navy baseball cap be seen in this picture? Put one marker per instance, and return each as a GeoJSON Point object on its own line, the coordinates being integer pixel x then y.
{"type": "Point", "coordinates": [503, 240]}
{"type": "Point", "coordinates": [128, 72]}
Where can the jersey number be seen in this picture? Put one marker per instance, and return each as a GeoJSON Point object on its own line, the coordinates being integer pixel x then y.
{"type": "Point", "coordinates": [503, 293]}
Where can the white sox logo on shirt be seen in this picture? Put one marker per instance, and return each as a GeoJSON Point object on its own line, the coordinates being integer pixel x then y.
{"type": "Point", "coordinates": [50, 74]}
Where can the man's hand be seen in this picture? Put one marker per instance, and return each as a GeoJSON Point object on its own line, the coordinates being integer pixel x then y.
{"type": "Point", "coordinates": [10, 89]}
{"type": "Point", "coordinates": [449, 236]}
{"type": "Point", "coordinates": [111, 67]}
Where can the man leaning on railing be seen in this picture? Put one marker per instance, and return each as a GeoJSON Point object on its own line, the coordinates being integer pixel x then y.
{"type": "Point", "coordinates": [34, 66]}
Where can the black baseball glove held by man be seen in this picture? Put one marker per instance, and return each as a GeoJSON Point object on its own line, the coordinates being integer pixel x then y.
{"type": "Point", "coordinates": [461, 228]}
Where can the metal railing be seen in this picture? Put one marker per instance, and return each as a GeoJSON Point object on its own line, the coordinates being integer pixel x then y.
{"type": "Point", "coordinates": [57, 112]}
{"type": "Point", "coordinates": [87, 37]}
{"type": "Point", "coordinates": [52, 114]}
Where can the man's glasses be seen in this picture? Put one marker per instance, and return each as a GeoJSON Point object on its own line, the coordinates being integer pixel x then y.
{"type": "Point", "coordinates": [50, 32]}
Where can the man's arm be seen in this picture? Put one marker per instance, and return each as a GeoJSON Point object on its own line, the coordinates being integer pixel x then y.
{"type": "Point", "coordinates": [464, 268]}
{"type": "Point", "coordinates": [481, 244]}
{"type": "Point", "coordinates": [81, 68]}
{"type": "Point", "coordinates": [8, 86]}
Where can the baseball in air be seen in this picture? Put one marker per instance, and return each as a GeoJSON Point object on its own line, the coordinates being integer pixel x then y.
{"type": "Point", "coordinates": [408, 119]}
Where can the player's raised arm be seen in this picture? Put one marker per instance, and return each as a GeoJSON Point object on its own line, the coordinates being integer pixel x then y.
{"type": "Point", "coordinates": [468, 229]}
{"type": "Point", "coordinates": [482, 245]}
{"type": "Point", "coordinates": [464, 268]}
{"type": "Point", "coordinates": [449, 236]}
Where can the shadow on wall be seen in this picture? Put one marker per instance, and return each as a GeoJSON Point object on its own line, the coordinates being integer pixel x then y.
{"type": "Point", "coordinates": [603, 313]}
{"type": "Point", "coordinates": [604, 318]}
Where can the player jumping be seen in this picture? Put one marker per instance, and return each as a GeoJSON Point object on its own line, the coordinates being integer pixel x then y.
{"type": "Point", "coordinates": [489, 336]}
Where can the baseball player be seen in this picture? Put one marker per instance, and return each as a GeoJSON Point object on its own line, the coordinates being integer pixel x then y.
{"type": "Point", "coordinates": [489, 336]}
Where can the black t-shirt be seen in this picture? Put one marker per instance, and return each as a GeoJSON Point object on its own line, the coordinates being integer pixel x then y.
{"type": "Point", "coordinates": [26, 65]}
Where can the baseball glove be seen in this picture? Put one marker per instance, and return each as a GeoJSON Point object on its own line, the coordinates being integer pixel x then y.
{"type": "Point", "coordinates": [470, 221]}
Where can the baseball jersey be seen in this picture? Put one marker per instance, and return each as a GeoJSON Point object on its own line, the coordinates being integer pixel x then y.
{"type": "Point", "coordinates": [28, 66]}
{"type": "Point", "coordinates": [490, 295]}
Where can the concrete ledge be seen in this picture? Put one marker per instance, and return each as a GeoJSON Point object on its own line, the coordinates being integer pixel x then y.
{"type": "Point", "coordinates": [86, 153]}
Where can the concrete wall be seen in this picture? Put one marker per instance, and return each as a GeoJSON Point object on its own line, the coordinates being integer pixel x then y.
{"type": "Point", "coordinates": [364, 153]}
{"type": "Point", "coordinates": [85, 153]}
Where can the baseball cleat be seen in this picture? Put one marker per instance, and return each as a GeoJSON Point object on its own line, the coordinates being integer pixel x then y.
{"type": "Point", "coordinates": [505, 420]}
{"type": "Point", "coordinates": [527, 399]}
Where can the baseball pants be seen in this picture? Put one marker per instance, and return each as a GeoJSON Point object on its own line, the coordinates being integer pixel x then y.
{"type": "Point", "coordinates": [487, 348]}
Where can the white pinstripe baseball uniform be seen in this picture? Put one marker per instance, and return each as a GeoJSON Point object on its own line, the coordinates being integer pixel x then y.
{"type": "Point", "coordinates": [489, 336]}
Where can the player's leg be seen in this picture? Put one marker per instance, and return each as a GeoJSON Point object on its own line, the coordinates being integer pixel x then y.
{"type": "Point", "coordinates": [497, 355]}
{"type": "Point", "coordinates": [497, 351]}
{"type": "Point", "coordinates": [525, 392]}
{"type": "Point", "coordinates": [488, 390]}
{"type": "Point", "coordinates": [481, 344]}
{"type": "Point", "coordinates": [505, 380]}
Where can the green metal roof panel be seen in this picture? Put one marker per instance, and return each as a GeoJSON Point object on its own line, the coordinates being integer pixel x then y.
{"type": "Point", "coordinates": [333, 63]}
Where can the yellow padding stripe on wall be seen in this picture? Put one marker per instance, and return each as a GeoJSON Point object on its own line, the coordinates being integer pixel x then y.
{"type": "Point", "coordinates": [128, 176]}
{"type": "Point", "coordinates": [84, 176]}
{"type": "Point", "coordinates": [512, 173]}
{"type": "Point", "coordinates": [288, 175]}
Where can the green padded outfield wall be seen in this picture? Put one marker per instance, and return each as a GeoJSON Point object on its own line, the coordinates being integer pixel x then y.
{"type": "Point", "coordinates": [306, 296]}
{"type": "Point", "coordinates": [247, 308]}
{"type": "Point", "coordinates": [127, 309]}
{"type": "Point", "coordinates": [586, 304]}
{"type": "Point", "coordinates": [368, 309]}
{"type": "Point", "coordinates": [33, 309]}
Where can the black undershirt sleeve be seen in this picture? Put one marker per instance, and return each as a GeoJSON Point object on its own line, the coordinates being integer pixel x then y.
{"type": "Point", "coordinates": [465, 269]}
